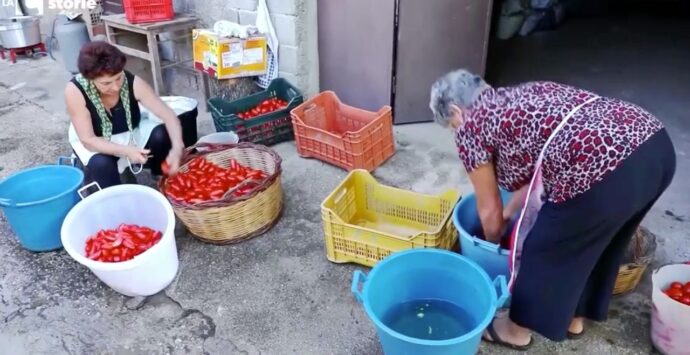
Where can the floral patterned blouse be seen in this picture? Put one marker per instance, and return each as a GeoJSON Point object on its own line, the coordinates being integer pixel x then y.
{"type": "Point", "coordinates": [509, 126]}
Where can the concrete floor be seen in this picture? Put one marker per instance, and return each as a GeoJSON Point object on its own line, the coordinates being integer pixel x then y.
{"type": "Point", "coordinates": [277, 294]}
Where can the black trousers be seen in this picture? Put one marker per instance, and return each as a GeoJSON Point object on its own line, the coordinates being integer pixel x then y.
{"type": "Point", "coordinates": [571, 257]}
{"type": "Point", "coordinates": [102, 168]}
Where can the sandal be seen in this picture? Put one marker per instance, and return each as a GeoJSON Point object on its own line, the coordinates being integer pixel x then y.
{"type": "Point", "coordinates": [497, 340]}
{"type": "Point", "coordinates": [575, 336]}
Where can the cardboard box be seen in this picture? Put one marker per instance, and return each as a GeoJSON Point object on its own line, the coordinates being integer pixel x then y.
{"type": "Point", "coordinates": [227, 58]}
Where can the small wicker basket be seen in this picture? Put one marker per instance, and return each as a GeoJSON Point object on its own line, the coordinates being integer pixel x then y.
{"type": "Point", "coordinates": [234, 219]}
{"type": "Point", "coordinates": [638, 256]}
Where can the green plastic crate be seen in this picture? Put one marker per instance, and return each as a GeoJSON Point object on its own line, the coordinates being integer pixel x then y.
{"type": "Point", "coordinates": [268, 129]}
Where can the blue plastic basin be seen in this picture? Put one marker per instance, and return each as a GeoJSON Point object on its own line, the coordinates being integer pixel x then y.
{"type": "Point", "coordinates": [422, 274]}
{"type": "Point", "coordinates": [36, 201]}
{"type": "Point", "coordinates": [491, 257]}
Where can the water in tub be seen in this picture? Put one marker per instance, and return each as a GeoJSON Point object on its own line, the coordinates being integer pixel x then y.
{"type": "Point", "coordinates": [429, 319]}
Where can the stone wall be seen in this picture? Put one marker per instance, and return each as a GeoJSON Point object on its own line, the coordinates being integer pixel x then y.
{"type": "Point", "coordinates": [295, 22]}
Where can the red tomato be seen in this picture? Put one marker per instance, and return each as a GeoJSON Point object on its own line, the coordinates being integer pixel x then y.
{"type": "Point", "coordinates": [674, 292]}
{"type": "Point", "coordinates": [264, 107]}
{"type": "Point", "coordinates": [121, 244]}
{"type": "Point", "coordinates": [686, 289]}
{"type": "Point", "coordinates": [676, 285]}
{"type": "Point", "coordinates": [234, 165]}
{"type": "Point", "coordinates": [204, 181]}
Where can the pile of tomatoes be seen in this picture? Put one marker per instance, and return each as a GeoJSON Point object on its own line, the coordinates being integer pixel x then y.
{"type": "Point", "coordinates": [205, 181]}
{"type": "Point", "coordinates": [266, 106]}
{"type": "Point", "coordinates": [679, 292]}
{"type": "Point", "coordinates": [120, 244]}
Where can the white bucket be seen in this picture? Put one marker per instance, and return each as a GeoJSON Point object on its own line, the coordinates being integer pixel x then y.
{"type": "Point", "coordinates": [670, 318]}
{"type": "Point", "coordinates": [220, 138]}
{"type": "Point", "coordinates": [149, 272]}
{"type": "Point", "coordinates": [179, 104]}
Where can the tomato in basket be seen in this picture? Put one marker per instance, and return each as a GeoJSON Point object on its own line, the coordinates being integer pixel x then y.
{"type": "Point", "coordinates": [204, 181]}
{"type": "Point", "coordinates": [679, 292]}
{"type": "Point", "coordinates": [120, 244]}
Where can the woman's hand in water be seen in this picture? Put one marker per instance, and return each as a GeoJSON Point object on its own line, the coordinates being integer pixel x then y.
{"type": "Point", "coordinates": [496, 238]}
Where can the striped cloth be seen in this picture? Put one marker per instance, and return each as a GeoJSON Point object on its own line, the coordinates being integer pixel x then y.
{"type": "Point", "coordinates": [271, 71]}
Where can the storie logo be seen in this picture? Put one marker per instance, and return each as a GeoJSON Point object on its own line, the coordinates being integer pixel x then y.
{"type": "Point", "coordinates": [37, 7]}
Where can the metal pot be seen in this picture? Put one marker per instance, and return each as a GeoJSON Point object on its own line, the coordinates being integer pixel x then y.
{"type": "Point", "coordinates": [20, 31]}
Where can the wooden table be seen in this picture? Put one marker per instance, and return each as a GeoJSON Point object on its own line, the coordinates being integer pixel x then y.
{"type": "Point", "coordinates": [115, 25]}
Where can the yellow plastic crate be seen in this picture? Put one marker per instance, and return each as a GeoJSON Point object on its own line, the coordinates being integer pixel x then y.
{"type": "Point", "coordinates": [365, 221]}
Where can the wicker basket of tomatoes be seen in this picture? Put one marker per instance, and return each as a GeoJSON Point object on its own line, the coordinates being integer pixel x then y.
{"type": "Point", "coordinates": [226, 193]}
{"type": "Point", "coordinates": [261, 118]}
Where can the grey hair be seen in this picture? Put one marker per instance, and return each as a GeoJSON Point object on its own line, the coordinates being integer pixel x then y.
{"type": "Point", "coordinates": [459, 87]}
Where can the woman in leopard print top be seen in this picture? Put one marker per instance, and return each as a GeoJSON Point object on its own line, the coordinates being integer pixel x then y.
{"type": "Point", "coordinates": [607, 162]}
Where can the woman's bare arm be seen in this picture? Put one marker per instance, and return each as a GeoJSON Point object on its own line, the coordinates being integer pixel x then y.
{"type": "Point", "coordinates": [489, 203]}
{"type": "Point", "coordinates": [147, 96]}
{"type": "Point", "coordinates": [516, 202]}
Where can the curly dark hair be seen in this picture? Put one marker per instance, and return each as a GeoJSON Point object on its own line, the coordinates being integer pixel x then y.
{"type": "Point", "coordinates": [100, 58]}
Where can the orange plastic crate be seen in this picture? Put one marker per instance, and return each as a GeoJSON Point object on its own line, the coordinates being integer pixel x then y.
{"type": "Point", "coordinates": [342, 135]}
{"type": "Point", "coordinates": [143, 11]}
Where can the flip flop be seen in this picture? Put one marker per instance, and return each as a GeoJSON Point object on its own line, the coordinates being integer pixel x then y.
{"type": "Point", "coordinates": [498, 341]}
{"type": "Point", "coordinates": [575, 336]}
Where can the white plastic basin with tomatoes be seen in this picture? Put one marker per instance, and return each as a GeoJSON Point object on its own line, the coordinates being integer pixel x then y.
{"type": "Point", "coordinates": [144, 274]}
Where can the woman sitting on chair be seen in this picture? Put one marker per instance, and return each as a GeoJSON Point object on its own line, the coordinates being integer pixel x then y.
{"type": "Point", "coordinates": [106, 132]}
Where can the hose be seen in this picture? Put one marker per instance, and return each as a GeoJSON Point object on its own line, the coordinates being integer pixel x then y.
{"type": "Point", "coordinates": [22, 7]}
{"type": "Point", "coordinates": [52, 38]}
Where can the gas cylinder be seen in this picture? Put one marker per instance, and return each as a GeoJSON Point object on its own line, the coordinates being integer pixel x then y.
{"type": "Point", "coordinates": [71, 35]}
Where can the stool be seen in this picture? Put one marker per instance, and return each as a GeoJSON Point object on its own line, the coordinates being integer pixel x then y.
{"type": "Point", "coordinates": [117, 25]}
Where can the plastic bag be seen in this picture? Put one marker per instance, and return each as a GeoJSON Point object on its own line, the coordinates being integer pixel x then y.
{"type": "Point", "coordinates": [231, 29]}
{"type": "Point", "coordinates": [179, 104]}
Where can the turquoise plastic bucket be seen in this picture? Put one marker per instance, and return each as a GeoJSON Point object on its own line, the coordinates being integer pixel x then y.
{"type": "Point", "coordinates": [491, 257]}
{"type": "Point", "coordinates": [36, 201]}
{"type": "Point", "coordinates": [419, 274]}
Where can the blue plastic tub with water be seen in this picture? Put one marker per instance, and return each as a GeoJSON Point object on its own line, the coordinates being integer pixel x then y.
{"type": "Point", "coordinates": [36, 201]}
{"type": "Point", "coordinates": [491, 257]}
{"type": "Point", "coordinates": [429, 274]}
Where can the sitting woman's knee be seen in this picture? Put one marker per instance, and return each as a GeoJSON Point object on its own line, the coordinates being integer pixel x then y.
{"type": "Point", "coordinates": [102, 168]}
{"type": "Point", "coordinates": [159, 138]}
{"type": "Point", "coordinates": [102, 162]}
